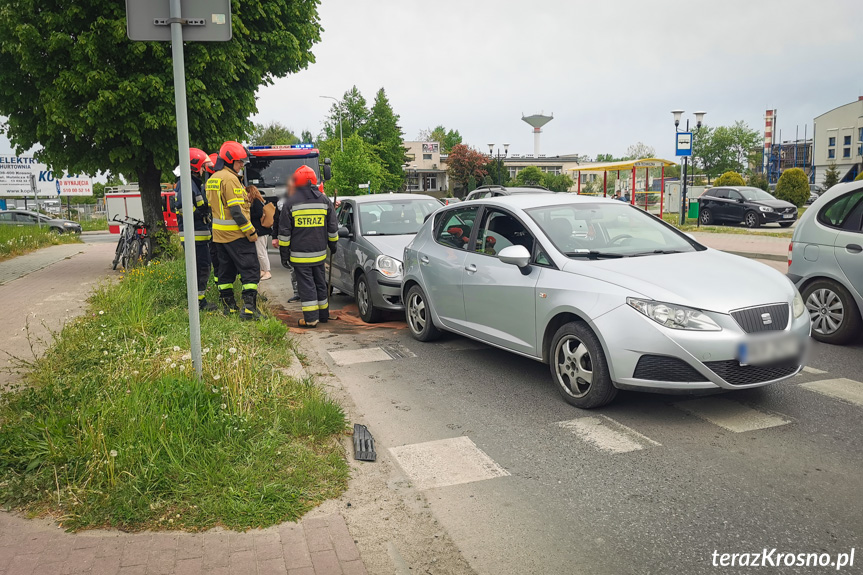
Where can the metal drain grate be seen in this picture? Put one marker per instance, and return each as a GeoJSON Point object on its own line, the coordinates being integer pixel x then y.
{"type": "Point", "coordinates": [397, 351]}
{"type": "Point", "coordinates": [364, 444]}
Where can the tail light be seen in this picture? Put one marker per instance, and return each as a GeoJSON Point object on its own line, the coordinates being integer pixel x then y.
{"type": "Point", "coordinates": [790, 253]}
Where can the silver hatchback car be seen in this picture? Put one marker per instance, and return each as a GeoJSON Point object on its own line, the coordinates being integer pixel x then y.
{"type": "Point", "coordinates": [608, 295]}
{"type": "Point", "coordinates": [825, 261]}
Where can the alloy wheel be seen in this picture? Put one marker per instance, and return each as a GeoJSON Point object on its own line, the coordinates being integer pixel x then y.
{"type": "Point", "coordinates": [417, 314]}
{"type": "Point", "coordinates": [825, 310]}
{"type": "Point", "coordinates": [573, 366]}
{"type": "Point", "coordinates": [751, 220]}
{"type": "Point", "coordinates": [363, 296]}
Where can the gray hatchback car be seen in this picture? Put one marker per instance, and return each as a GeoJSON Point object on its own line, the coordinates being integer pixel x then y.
{"type": "Point", "coordinates": [825, 262]}
{"type": "Point", "coordinates": [373, 233]}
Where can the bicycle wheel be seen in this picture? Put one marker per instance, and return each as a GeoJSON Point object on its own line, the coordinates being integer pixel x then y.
{"type": "Point", "coordinates": [118, 253]}
{"type": "Point", "coordinates": [146, 250]}
{"type": "Point", "coordinates": [135, 249]}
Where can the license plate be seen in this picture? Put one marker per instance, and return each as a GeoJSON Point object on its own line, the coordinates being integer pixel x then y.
{"type": "Point", "coordinates": [787, 216]}
{"type": "Point", "coordinates": [767, 350]}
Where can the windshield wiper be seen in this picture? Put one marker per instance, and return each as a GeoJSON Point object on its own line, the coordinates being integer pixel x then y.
{"type": "Point", "coordinates": [592, 254]}
{"type": "Point", "coordinates": [658, 252]}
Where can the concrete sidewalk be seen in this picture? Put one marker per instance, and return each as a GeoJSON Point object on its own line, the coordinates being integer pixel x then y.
{"type": "Point", "coordinates": [752, 246]}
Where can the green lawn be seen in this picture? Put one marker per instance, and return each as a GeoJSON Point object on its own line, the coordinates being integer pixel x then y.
{"type": "Point", "coordinates": [94, 225]}
{"type": "Point", "coordinates": [692, 226]}
{"type": "Point", "coordinates": [111, 428]}
{"type": "Point", "coordinates": [15, 240]}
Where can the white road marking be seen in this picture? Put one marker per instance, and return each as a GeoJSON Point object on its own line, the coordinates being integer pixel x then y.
{"type": "Point", "coordinates": [841, 388]}
{"type": "Point", "coordinates": [814, 371]}
{"type": "Point", "coordinates": [731, 415]}
{"type": "Point", "coordinates": [607, 434]}
{"type": "Point", "coordinates": [446, 462]}
{"type": "Point", "coordinates": [352, 356]}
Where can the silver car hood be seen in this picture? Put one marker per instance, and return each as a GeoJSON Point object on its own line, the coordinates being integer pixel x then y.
{"type": "Point", "coordinates": [709, 280]}
{"type": "Point", "coordinates": [393, 246]}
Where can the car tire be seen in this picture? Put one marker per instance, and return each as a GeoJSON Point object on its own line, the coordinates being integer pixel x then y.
{"type": "Point", "coordinates": [752, 219]}
{"type": "Point", "coordinates": [579, 368]}
{"type": "Point", "coordinates": [418, 316]}
{"type": "Point", "coordinates": [57, 231]}
{"type": "Point", "coordinates": [706, 217]}
{"type": "Point", "coordinates": [820, 298]}
{"type": "Point", "coordinates": [365, 303]}
{"type": "Point", "coordinates": [786, 224]}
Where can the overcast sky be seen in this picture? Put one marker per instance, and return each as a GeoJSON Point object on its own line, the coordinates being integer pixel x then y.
{"type": "Point", "coordinates": [610, 71]}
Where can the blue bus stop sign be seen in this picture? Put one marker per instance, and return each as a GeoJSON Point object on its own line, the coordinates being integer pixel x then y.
{"type": "Point", "coordinates": [684, 144]}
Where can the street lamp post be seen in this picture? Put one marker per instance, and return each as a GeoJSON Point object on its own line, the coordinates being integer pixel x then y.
{"type": "Point", "coordinates": [498, 163]}
{"type": "Point", "coordinates": [339, 110]}
{"type": "Point", "coordinates": [699, 118]}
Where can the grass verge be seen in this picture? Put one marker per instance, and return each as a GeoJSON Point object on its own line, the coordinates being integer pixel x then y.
{"type": "Point", "coordinates": [94, 225]}
{"type": "Point", "coordinates": [673, 219]}
{"type": "Point", "coordinates": [15, 241]}
{"type": "Point", "coordinates": [110, 428]}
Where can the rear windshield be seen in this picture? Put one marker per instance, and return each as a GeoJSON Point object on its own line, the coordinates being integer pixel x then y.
{"type": "Point", "coordinates": [395, 217]}
{"type": "Point", "coordinates": [276, 172]}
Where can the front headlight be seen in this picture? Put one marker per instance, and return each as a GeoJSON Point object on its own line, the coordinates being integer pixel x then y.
{"type": "Point", "coordinates": [674, 316]}
{"type": "Point", "coordinates": [765, 208]}
{"type": "Point", "coordinates": [390, 267]}
{"type": "Point", "coordinates": [797, 305]}
{"type": "Point", "coordinates": [69, 224]}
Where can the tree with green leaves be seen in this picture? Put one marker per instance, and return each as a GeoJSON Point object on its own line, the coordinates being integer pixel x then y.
{"type": "Point", "coordinates": [558, 182]}
{"type": "Point", "coordinates": [730, 179]}
{"type": "Point", "coordinates": [446, 139]}
{"type": "Point", "coordinates": [358, 164]}
{"type": "Point", "coordinates": [793, 186]}
{"type": "Point", "coordinates": [758, 181]}
{"type": "Point", "coordinates": [74, 84]}
{"type": "Point", "coordinates": [307, 137]}
{"type": "Point", "coordinates": [639, 150]}
{"type": "Point", "coordinates": [465, 163]}
{"type": "Point", "coordinates": [530, 176]}
{"type": "Point", "coordinates": [831, 176]}
{"type": "Point", "coordinates": [272, 134]}
{"type": "Point", "coordinates": [354, 112]}
{"type": "Point", "coordinates": [498, 172]}
{"type": "Point", "coordinates": [385, 134]}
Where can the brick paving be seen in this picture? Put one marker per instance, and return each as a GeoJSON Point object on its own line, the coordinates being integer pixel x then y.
{"type": "Point", "coordinates": [18, 266]}
{"type": "Point", "coordinates": [315, 546]}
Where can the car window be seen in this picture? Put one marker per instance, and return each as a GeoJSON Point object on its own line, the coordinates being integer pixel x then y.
{"type": "Point", "coordinates": [756, 194]}
{"type": "Point", "coordinates": [837, 212]}
{"type": "Point", "coordinates": [733, 194]}
{"type": "Point", "coordinates": [25, 218]}
{"type": "Point", "coordinates": [500, 230]}
{"type": "Point", "coordinates": [394, 217]}
{"type": "Point", "coordinates": [455, 227]}
{"type": "Point", "coordinates": [5, 217]}
{"type": "Point", "coordinates": [613, 227]}
{"type": "Point", "coordinates": [721, 193]}
{"type": "Point", "coordinates": [346, 215]}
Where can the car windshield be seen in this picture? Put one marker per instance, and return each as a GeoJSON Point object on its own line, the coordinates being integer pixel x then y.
{"type": "Point", "coordinates": [755, 194]}
{"type": "Point", "coordinates": [265, 173]}
{"type": "Point", "coordinates": [588, 230]}
{"type": "Point", "coordinates": [394, 217]}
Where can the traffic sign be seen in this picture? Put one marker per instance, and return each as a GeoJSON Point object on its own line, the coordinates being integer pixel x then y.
{"type": "Point", "coordinates": [684, 144]}
{"type": "Point", "coordinates": [202, 20]}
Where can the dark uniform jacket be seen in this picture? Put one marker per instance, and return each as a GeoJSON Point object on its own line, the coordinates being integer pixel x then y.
{"type": "Point", "coordinates": [201, 214]}
{"type": "Point", "coordinates": [307, 226]}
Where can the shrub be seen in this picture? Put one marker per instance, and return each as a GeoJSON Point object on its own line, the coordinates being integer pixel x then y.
{"type": "Point", "coordinates": [859, 177]}
{"type": "Point", "coordinates": [793, 186]}
{"type": "Point", "coordinates": [730, 179]}
{"type": "Point", "coordinates": [758, 181]}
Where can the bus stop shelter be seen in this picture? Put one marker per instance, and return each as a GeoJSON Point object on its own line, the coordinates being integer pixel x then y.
{"type": "Point", "coordinates": [633, 166]}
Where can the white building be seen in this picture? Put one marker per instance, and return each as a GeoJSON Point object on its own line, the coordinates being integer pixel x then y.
{"type": "Point", "coordinates": [839, 140]}
{"type": "Point", "coordinates": [424, 170]}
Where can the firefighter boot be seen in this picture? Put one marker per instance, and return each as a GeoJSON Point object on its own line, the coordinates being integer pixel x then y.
{"type": "Point", "coordinates": [204, 305]}
{"type": "Point", "coordinates": [250, 306]}
{"type": "Point", "coordinates": [229, 304]}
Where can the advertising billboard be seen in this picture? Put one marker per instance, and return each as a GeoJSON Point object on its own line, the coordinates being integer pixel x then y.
{"type": "Point", "coordinates": [15, 172]}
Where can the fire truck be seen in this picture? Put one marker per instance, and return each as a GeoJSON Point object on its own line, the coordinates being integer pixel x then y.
{"type": "Point", "coordinates": [271, 167]}
{"type": "Point", "coordinates": [125, 201]}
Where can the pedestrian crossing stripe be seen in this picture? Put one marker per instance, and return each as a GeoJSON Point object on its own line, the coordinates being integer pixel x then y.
{"type": "Point", "coordinates": [843, 389]}
{"type": "Point", "coordinates": [731, 415]}
{"type": "Point", "coordinates": [608, 435]}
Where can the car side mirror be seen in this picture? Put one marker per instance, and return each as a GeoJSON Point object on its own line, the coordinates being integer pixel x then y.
{"type": "Point", "coordinates": [344, 232]}
{"type": "Point", "coordinates": [327, 172]}
{"type": "Point", "coordinates": [515, 255]}
{"type": "Point", "coordinates": [740, 200]}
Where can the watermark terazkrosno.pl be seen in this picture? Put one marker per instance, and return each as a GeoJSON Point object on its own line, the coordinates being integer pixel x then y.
{"type": "Point", "coordinates": [775, 558]}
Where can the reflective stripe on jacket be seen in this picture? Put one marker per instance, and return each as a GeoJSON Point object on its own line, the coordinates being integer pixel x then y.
{"type": "Point", "coordinates": [224, 190]}
{"type": "Point", "coordinates": [307, 224]}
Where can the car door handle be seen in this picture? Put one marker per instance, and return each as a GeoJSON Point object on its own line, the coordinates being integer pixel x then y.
{"type": "Point", "coordinates": [854, 248]}
{"type": "Point", "coordinates": [424, 259]}
{"type": "Point", "coordinates": [470, 267]}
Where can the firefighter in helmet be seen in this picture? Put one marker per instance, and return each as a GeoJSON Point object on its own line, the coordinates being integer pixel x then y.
{"type": "Point", "coordinates": [307, 228]}
{"type": "Point", "coordinates": [210, 169]}
{"type": "Point", "coordinates": [233, 232]}
{"type": "Point", "coordinates": [202, 218]}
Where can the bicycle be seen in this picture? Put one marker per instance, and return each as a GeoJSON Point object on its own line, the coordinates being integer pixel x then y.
{"type": "Point", "coordinates": [133, 247]}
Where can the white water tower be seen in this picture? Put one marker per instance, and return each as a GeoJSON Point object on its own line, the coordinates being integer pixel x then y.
{"type": "Point", "coordinates": [537, 121]}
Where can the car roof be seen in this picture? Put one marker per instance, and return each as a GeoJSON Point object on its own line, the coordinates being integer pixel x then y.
{"type": "Point", "coordinates": [528, 201]}
{"type": "Point", "coordinates": [838, 190]}
{"type": "Point", "coordinates": [388, 197]}
{"type": "Point", "coordinates": [527, 191]}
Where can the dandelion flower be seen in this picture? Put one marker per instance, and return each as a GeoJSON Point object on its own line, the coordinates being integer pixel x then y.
{"type": "Point", "coordinates": [182, 368]}
{"type": "Point", "coordinates": [232, 350]}
{"type": "Point", "coordinates": [176, 348]}
{"type": "Point", "coordinates": [167, 360]}
{"type": "Point", "coordinates": [113, 453]}
{"type": "Point", "coordinates": [135, 372]}
{"type": "Point", "coordinates": [215, 390]}
{"type": "Point", "coordinates": [173, 365]}
{"type": "Point", "coordinates": [224, 406]}
{"type": "Point", "coordinates": [105, 352]}
{"type": "Point", "coordinates": [217, 377]}
{"type": "Point", "coordinates": [218, 356]}
{"type": "Point", "coordinates": [206, 350]}
{"type": "Point", "coordinates": [164, 416]}
{"type": "Point", "coordinates": [186, 357]}
{"type": "Point", "coordinates": [101, 312]}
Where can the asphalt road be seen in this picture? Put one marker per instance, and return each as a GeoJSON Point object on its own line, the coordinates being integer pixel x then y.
{"type": "Point", "coordinates": [649, 484]}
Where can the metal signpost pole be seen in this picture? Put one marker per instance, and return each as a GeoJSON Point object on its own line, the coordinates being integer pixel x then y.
{"type": "Point", "coordinates": [186, 184]}
{"type": "Point", "coordinates": [35, 199]}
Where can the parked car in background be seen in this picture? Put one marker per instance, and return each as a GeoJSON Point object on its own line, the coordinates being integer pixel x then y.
{"type": "Point", "coordinates": [814, 191]}
{"type": "Point", "coordinates": [27, 218]}
{"type": "Point", "coordinates": [497, 191]}
{"type": "Point", "coordinates": [608, 295]}
{"type": "Point", "coordinates": [825, 261]}
{"type": "Point", "coordinates": [373, 233]}
{"type": "Point", "coordinates": [743, 204]}
{"type": "Point", "coordinates": [449, 201]}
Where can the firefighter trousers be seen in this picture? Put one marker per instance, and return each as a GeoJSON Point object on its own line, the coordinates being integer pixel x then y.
{"type": "Point", "coordinates": [238, 257]}
{"type": "Point", "coordinates": [202, 264]}
{"type": "Point", "coordinates": [214, 258]}
{"type": "Point", "coordinates": [312, 284]}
